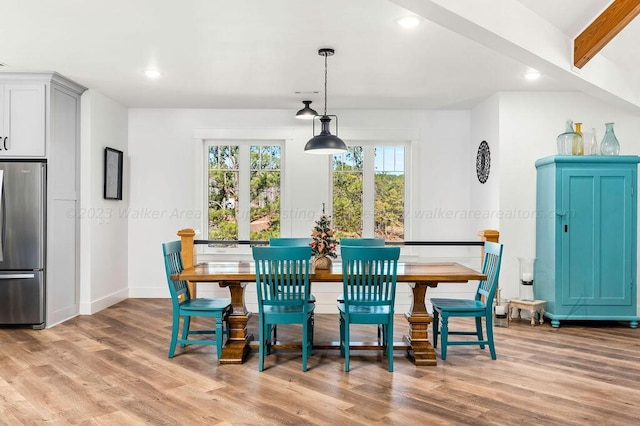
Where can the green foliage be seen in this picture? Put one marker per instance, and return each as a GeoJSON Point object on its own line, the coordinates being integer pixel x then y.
{"type": "Point", "coordinates": [389, 207]}
{"type": "Point", "coordinates": [348, 205]}
{"type": "Point", "coordinates": [264, 190]}
{"type": "Point", "coordinates": [323, 242]}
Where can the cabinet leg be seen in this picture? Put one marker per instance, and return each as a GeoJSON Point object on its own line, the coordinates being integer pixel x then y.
{"type": "Point", "coordinates": [633, 324]}
{"type": "Point", "coordinates": [555, 323]}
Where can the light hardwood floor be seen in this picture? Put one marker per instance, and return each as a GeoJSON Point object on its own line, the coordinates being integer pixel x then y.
{"type": "Point", "coordinates": [111, 368]}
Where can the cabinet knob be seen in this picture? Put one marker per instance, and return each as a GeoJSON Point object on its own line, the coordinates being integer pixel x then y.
{"type": "Point", "coordinates": [561, 213]}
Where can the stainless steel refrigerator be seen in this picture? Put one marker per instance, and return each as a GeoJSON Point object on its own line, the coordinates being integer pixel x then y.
{"type": "Point", "coordinates": [22, 242]}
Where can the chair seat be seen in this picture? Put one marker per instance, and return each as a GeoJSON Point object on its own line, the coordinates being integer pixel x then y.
{"type": "Point", "coordinates": [467, 305]}
{"type": "Point", "coordinates": [203, 303]}
{"type": "Point", "coordinates": [365, 309]}
{"type": "Point", "coordinates": [283, 309]}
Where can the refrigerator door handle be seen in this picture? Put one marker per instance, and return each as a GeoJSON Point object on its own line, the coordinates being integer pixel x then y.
{"type": "Point", "coordinates": [16, 276]}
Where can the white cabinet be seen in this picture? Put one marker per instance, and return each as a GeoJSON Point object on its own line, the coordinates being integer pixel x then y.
{"type": "Point", "coordinates": [22, 125]}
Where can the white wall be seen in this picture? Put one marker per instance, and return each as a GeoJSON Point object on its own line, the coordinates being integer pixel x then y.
{"type": "Point", "coordinates": [165, 175]}
{"type": "Point", "coordinates": [484, 197]}
{"type": "Point", "coordinates": [103, 233]}
{"type": "Point", "coordinates": [529, 124]}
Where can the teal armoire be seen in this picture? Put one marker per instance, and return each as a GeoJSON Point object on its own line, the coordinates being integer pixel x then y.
{"type": "Point", "coordinates": [586, 226]}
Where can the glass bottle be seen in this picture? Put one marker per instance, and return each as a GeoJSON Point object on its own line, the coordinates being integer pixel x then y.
{"type": "Point", "coordinates": [578, 144]}
{"type": "Point", "coordinates": [609, 145]}
{"type": "Point", "coordinates": [594, 149]}
{"type": "Point", "coordinates": [566, 140]}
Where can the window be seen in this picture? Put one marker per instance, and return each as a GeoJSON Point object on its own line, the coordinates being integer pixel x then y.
{"type": "Point", "coordinates": [369, 192]}
{"type": "Point", "coordinates": [243, 191]}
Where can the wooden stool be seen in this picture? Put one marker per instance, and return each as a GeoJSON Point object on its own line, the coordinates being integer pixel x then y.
{"type": "Point", "coordinates": [532, 306]}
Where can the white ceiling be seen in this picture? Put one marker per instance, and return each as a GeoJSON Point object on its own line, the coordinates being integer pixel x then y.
{"type": "Point", "coordinates": [258, 54]}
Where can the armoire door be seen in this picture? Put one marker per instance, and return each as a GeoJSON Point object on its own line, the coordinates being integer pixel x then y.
{"type": "Point", "coordinates": [596, 237]}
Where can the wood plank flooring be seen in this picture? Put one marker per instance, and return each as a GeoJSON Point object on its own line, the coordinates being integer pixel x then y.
{"type": "Point", "coordinates": [111, 368]}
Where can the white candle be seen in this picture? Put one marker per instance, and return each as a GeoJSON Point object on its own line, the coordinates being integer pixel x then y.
{"type": "Point", "coordinates": [500, 310]}
{"type": "Point", "coordinates": [527, 276]}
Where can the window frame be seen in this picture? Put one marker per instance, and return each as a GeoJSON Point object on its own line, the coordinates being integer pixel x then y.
{"type": "Point", "coordinates": [240, 137]}
{"type": "Point", "coordinates": [368, 183]}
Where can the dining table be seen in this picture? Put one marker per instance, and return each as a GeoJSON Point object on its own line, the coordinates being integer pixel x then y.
{"type": "Point", "coordinates": [419, 276]}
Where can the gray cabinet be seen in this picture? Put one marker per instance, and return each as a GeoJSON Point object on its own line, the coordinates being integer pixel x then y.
{"type": "Point", "coordinates": [22, 120]}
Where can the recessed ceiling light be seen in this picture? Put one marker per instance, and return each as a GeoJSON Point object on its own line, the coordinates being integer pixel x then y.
{"type": "Point", "coordinates": [532, 75]}
{"type": "Point", "coordinates": [152, 73]}
{"type": "Point", "coordinates": [410, 21]}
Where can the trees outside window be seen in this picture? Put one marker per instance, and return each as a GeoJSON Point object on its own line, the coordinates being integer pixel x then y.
{"type": "Point", "coordinates": [243, 191]}
{"type": "Point", "coordinates": [369, 192]}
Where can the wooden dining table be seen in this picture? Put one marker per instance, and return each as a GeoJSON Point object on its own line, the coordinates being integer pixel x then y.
{"type": "Point", "coordinates": [418, 275]}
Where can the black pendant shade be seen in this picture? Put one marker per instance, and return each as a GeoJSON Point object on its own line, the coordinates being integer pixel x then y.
{"type": "Point", "coordinates": [306, 113]}
{"type": "Point", "coordinates": [325, 142]}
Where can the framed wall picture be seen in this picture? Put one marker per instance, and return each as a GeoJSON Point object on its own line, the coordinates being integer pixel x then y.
{"type": "Point", "coordinates": [112, 174]}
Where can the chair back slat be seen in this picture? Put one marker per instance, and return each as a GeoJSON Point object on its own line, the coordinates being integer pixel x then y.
{"type": "Point", "coordinates": [491, 268]}
{"type": "Point", "coordinates": [173, 265]}
{"type": "Point", "coordinates": [361, 242]}
{"type": "Point", "coordinates": [282, 274]}
{"type": "Point", "coordinates": [369, 275]}
{"type": "Point", "coordinates": [289, 242]}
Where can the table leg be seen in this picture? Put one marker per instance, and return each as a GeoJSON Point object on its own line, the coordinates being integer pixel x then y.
{"type": "Point", "coordinates": [533, 317]}
{"type": "Point", "coordinates": [237, 346]}
{"type": "Point", "coordinates": [420, 349]}
{"type": "Point", "coordinates": [541, 315]}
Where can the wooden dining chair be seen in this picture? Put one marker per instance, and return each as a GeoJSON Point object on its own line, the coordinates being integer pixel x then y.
{"type": "Point", "coordinates": [369, 285]}
{"type": "Point", "coordinates": [185, 307]}
{"type": "Point", "coordinates": [479, 307]}
{"type": "Point", "coordinates": [282, 281]}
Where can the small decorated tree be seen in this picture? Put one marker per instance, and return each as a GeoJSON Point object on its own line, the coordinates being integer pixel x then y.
{"type": "Point", "coordinates": [323, 243]}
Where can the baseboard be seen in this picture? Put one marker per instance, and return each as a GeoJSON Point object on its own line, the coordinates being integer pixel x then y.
{"type": "Point", "coordinates": [149, 292]}
{"type": "Point", "coordinates": [90, 308]}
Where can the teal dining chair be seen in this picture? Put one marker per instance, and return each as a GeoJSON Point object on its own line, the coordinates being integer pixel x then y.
{"type": "Point", "coordinates": [185, 307]}
{"type": "Point", "coordinates": [282, 281]}
{"type": "Point", "coordinates": [363, 242]}
{"type": "Point", "coordinates": [369, 285]}
{"type": "Point", "coordinates": [479, 307]}
{"type": "Point", "coordinates": [290, 242]}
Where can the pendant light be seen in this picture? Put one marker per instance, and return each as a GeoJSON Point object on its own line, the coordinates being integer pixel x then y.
{"type": "Point", "coordinates": [306, 113]}
{"type": "Point", "coordinates": [325, 142]}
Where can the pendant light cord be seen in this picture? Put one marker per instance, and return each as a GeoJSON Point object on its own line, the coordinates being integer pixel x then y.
{"type": "Point", "coordinates": [325, 83]}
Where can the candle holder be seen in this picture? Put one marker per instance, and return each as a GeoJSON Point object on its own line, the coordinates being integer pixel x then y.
{"type": "Point", "coordinates": [526, 278]}
{"type": "Point", "coordinates": [501, 312]}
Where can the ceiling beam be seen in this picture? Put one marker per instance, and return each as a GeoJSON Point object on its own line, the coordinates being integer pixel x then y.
{"type": "Point", "coordinates": [604, 28]}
